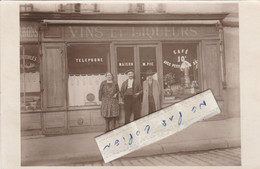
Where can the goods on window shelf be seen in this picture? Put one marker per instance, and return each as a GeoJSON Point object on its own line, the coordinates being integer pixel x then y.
{"type": "Point", "coordinates": [30, 103]}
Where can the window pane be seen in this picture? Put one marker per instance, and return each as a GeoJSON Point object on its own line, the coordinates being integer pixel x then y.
{"type": "Point", "coordinates": [180, 70]}
{"type": "Point", "coordinates": [87, 59]}
{"type": "Point", "coordinates": [125, 61]}
{"type": "Point", "coordinates": [30, 78]}
{"type": "Point", "coordinates": [87, 64]}
{"type": "Point", "coordinates": [147, 61]}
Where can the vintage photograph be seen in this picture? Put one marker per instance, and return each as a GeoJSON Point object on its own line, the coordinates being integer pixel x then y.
{"type": "Point", "coordinates": [88, 68]}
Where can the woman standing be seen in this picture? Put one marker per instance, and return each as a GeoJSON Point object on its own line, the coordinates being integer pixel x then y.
{"type": "Point", "coordinates": [108, 95]}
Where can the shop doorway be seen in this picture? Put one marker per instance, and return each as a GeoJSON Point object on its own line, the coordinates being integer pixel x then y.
{"type": "Point", "coordinates": [137, 57]}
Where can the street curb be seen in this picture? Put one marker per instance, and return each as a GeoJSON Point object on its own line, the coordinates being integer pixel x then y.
{"type": "Point", "coordinates": [167, 148]}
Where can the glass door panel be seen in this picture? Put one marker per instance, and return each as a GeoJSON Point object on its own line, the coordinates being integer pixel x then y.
{"type": "Point", "coordinates": [147, 57]}
{"type": "Point", "coordinates": [137, 57]}
{"type": "Point", "coordinates": [125, 61]}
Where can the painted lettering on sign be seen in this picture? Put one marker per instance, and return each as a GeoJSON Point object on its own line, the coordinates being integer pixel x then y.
{"type": "Point", "coordinates": [126, 64]}
{"type": "Point", "coordinates": [89, 60]}
{"type": "Point", "coordinates": [181, 54]}
{"type": "Point", "coordinates": [134, 32]}
{"type": "Point", "coordinates": [180, 51]}
{"type": "Point", "coordinates": [28, 32]}
{"type": "Point", "coordinates": [29, 63]}
{"type": "Point", "coordinates": [147, 63]}
{"type": "Point", "coordinates": [152, 32]}
{"type": "Point", "coordinates": [171, 64]}
{"type": "Point", "coordinates": [87, 32]}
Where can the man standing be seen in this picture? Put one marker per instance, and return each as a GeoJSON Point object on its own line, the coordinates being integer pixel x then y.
{"type": "Point", "coordinates": [152, 97]}
{"type": "Point", "coordinates": [130, 92]}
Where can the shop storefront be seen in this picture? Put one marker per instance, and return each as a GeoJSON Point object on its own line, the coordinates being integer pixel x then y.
{"type": "Point", "coordinates": [64, 61]}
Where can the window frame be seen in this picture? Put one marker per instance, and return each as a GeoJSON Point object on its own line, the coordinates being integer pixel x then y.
{"type": "Point", "coordinates": [200, 73]}
{"type": "Point", "coordinates": [84, 107]}
{"type": "Point", "coordinates": [22, 44]}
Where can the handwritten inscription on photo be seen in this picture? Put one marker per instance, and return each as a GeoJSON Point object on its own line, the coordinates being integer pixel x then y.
{"type": "Point", "coordinates": [156, 126]}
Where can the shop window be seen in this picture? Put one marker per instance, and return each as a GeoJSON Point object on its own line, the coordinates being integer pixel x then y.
{"type": "Point", "coordinates": [87, 65]}
{"type": "Point", "coordinates": [30, 78]}
{"type": "Point", "coordinates": [180, 70]}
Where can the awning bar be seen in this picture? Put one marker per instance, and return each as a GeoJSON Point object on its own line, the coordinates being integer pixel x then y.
{"type": "Point", "coordinates": [124, 22]}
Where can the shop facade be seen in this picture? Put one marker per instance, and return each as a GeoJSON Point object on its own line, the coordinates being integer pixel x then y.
{"type": "Point", "coordinates": [64, 59]}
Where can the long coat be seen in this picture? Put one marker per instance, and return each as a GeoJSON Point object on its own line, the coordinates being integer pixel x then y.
{"type": "Point", "coordinates": [156, 95]}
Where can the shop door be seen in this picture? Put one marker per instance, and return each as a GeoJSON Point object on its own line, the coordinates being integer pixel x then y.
{"type": "Point", "coordinates": [137, 57]}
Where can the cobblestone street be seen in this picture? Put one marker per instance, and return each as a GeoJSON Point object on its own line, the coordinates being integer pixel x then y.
{"type": "Point", "coordinates": [217, 157]}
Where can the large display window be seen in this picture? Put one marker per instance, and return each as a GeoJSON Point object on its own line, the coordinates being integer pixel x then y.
{"type": "Point", "coordinates": [87, 65]}
{"type": "Point", "coordinates": [180, 70]}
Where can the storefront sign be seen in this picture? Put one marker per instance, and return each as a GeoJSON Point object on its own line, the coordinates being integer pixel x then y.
{"type": "Point", "coordinates": [125, 64]}
{"type": "Point", "coordinates": [147, 63]}
{"type": "Point", "coordinates": [136, 32]}
{"type": "Point", "coordinates": [87, 59]}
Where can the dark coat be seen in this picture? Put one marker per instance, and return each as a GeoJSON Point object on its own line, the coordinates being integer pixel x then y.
{"type": "Point", "coordinates": [136, 88]}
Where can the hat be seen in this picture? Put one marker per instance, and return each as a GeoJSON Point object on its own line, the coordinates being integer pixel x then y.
{"type": "Point", "coordinates": [149, 72]}
{"type": "Point", "coordinates": [130, 70]}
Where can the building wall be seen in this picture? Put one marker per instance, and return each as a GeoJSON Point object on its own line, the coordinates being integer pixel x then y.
{"type": "Point", "coordinates": [212, 133]}
{"type": "Point", "coordinates": [175, 7]}
{"type": "Point", "coordinates": [231, 35]}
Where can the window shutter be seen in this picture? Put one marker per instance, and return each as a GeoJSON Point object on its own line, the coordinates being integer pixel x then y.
{"type": "Point", "coordinates": [211, 67]}
{"type": "Point", "coordinates": [54, 83]}
{"type": "Point", "coordinates": [211, 73]}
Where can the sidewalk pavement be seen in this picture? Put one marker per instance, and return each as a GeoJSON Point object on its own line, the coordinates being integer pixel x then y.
{"type": "Point", "coordinates": [55, 150]}
{"type": "Point", "coordinates": [217, 157]}
{"type": "Point", "coordinates": [63, 150]}
{"type": "Point", "coordinates": [82, 148]}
